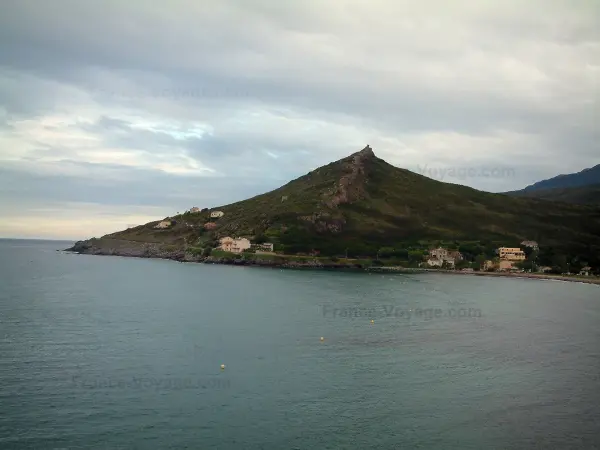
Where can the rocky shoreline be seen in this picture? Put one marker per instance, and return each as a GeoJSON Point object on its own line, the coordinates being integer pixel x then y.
{"type": "Point", "coordinates": [134, 249]}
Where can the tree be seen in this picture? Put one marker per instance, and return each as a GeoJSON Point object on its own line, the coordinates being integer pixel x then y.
{"type": "Point", "coordinates": [447, 266]}
{"type": "Point", "coordinates": [415, 256]}
{"type": "Point", "coordinates": [480, 260]}
{"type": "Point", "coordinates": [525, 265]}
{"type": "Point", "coordinates": [260, 239]}
{"type": "Point", "coordinates": [560, 264]}
{"type": "Point", "coordinates": [463, 264]}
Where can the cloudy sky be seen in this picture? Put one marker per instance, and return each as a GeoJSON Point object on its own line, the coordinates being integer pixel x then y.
{"type": "Point", "coordinates": [115, 113]}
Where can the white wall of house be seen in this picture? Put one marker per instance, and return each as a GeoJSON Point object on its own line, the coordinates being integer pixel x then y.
{"type": "Point", "coordinates": [216, 214]}
{"type": "Point", "coordinates": [232, 245]}
{"type": "Point", "coordinates": [265, 247]}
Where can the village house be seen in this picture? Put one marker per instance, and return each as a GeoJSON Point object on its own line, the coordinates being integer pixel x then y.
{"type": "Point", "coordinates": [511, 254]}
{"type": "Point", "coordinates": [195, 209]}
{"type": "Point", "coordinates": [504, 265]}
{"type": "Point", "coordinates": [439, 253]}
{"type": "Point", "coordinates": [164, 224]}
{"type": "Point", "coordinates": [216, 214]}
{"type": "Point", "coordinates": [433, 262]}
{"type": "Point", "coordinates": [210, 226]}
{"type": "Point", "coordinates": [232, 245]}
{"type": "Point", "coordinates": [530, 244]}
{"type": "Point", "coordinates": [585, 271]}
{"type": "Point", "coordinates": [487, 265]}
{"type": "Point", "coordinates": [456, 255]}
{"type": "Point", "coordinates": [266, 247]}
{"type": "Point", "coordinates": [439, 256]}
{"type": "Point", "coordinates": [544, 269]}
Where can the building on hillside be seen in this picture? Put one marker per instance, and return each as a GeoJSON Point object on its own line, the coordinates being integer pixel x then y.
{"type": "Point", "coordinates": [164, 224]}
{"type": "Point", "coordinates": [264, 247]}
{"type": "Point", "coordinates": [504, 265]}
{"type": "Point", "coordinates": [216, 214]}
{"type": "Point", "coordinates": [210, 226]}
{"type": "Point", "coordinates": [434, 262]}
{"type": "Point", "coordinates": [530, 244]}
{"type": "Point", "coordinates": [456, 255]}
{"type": "Point", "coordinates": [439, 256]}
{"type": "Point", "coordinates": [511, 254]}
{"type": "Point", "coordinates": [195, 209]}
{"type": "Point", "coordinates": [439, 253]}
{"type": "Point", "coordinates": [487, 265]}
{"type": "Point", "coordinates": [232, 245]}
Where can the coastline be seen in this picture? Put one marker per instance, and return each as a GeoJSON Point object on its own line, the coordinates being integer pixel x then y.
{"type": "Point", "coordinates": [280, 261]}
{"type": "Point", "coordinates": [534, 276]}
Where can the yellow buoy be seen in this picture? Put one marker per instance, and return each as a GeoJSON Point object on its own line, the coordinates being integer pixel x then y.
{"type": "Point", "coordinates": [322, 338]}
{"type": "Point", "coordinates": [222, 366]}
{"type": "Point", "coordinates": [372, 321]}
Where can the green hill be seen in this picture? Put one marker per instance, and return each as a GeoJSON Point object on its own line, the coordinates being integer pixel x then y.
{"type": "Point", "coordinates": [359, 204]}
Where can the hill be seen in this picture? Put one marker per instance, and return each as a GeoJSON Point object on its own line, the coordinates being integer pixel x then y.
{"type": "Point", "coordinates": [359, 204]}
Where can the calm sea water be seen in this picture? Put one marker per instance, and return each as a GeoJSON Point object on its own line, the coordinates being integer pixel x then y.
{"type": "Point", "coordinates": [109, 353]}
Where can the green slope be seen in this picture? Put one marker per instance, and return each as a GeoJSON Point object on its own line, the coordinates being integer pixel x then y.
{"type": "Point", "coordinates": [362, 203]}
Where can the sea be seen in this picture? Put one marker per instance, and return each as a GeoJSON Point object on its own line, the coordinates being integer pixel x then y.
{"type": "Point", "coordinates": [104, 352]}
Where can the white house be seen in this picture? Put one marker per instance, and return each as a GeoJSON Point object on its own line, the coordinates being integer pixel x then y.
{"type": "Point", "coordinates": [232, 245]}
{"type": "Point", "coordinates": [434, 262]}
{"type": "Point", "coordinates": [530, 244]}
{"type": "Point", "coordinates": [439, 256]}
{"type": "Point", "coordinates": [216, 214]}
{"type": "Point", "coordinates": [195, 209]}
{"type": "Point", "coordinates": [164, 224]}
{"type": "Point", "coordinates": [265, 247]}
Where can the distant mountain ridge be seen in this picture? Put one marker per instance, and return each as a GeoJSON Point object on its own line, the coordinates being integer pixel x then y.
{"type": "Point", "coordinates": [586, 177]}
{"type": "Point", "coordinates": [584, 195]}
{"type": "Point", "coordinates": [579, 187]}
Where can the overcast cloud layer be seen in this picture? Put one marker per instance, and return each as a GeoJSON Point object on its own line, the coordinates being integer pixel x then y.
{"type": "Point", "coordinates": [116, 113]}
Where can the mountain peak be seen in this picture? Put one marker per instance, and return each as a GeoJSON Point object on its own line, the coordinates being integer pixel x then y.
{"type": "Point", "coordinates": [351, 185]}
{"type": "Point", "coordinates": [366, 152]}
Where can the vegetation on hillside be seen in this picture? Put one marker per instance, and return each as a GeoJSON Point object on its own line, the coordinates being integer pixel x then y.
{"type": "Point", "coordinates": [362, 207]}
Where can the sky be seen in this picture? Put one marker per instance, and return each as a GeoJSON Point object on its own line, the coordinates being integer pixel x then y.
{"type": "Point", "coordinates": [117, 113]}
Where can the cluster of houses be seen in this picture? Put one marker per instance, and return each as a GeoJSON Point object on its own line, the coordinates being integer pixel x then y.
{"type": "Point", "coordinates": [167, 223]}
{"type": "Point", "coordinates": [438, 257]}
{"type": "Point", "coordinates": [507, 257]}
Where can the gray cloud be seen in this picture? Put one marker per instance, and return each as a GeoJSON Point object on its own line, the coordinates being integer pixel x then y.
{"type": "Point", "coordinates": [115, 103]}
